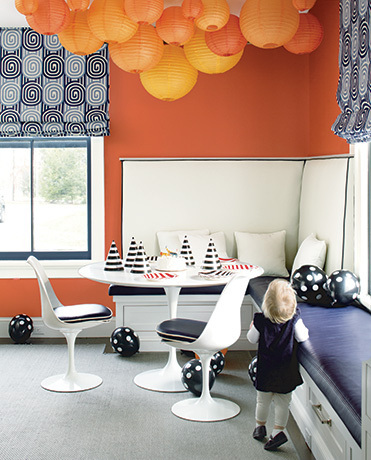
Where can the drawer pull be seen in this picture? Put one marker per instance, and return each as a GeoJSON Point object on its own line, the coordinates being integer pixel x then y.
{"type": "Point", "coordinates": [318, 411]}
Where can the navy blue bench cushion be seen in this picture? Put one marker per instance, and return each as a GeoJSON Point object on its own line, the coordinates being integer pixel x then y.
{"type": "Point", "coordinates": [127, 290]}
{"type": "Point", "coordinates": [182, 329]}
{"type": "Point", "coordinates": [339, 341]}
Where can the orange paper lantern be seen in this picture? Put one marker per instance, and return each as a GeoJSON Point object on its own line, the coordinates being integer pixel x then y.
{"type": "Point", "coordinates": [204, 60]}
{"type": "Point", "coordinates": [108, 21]}
{"type": "Point", "coordinates": [173, 27]}
{"type": "Point", "coordinates": [192, 9]}
{"type": "Point", "coordinates": [172, 78]}
{"type": "Point", "coordinates": [214, 16]}
{"type": "Point", "coordinates": [78, 5]}
{"type": "Point", "coordinates": [308, 36]}
{"type": "Point", "coordinates": [303, 5]}
{"type": "Point", "coordinates": [269, 23]}
{"type": "Point", "coordinates": [227, 41]}
{"type": "Point", "coordinates": [77, 36]}
{"type": "Point", "coordinates": [50, 18]}
{"type": "Point", "coordinates": [26, 6]}
{"type": "Point", "coordinates": [142, 52]}
{"type": "Point", "coordinates": [144, 11]}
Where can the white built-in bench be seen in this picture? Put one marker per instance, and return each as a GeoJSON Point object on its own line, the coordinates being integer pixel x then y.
{"type": "Point", "coordinates": [255, 196]}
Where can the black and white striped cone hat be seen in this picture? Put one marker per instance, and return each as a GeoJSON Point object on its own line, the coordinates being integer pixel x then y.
{"type": "Point", "coordinates": [113, 261]}
{"type": "Point", "coordinates": [141, 265]}
{"type": "Point", "coordinates": [186, 252]}
{"type": "Point", "coordinates": [211, 260]}
{"type": "Point", "coordinates": [131, 254]}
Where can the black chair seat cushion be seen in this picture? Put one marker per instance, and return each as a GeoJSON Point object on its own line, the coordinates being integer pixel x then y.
{"type": "Point", "coordinates": [180, 329]}
{"type": "Point", "coordinates": [115, 289]}
{"type": "Point", "coordinates": [83, 312]}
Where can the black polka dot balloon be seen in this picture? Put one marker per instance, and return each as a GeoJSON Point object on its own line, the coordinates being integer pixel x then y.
{"type": "Point", "coordinates": [192, 377]}
{"type": "Point", "coordinates": [310, 284]}
{"type": "Point", "coordinates": [343, 286]}
{"type": "Point", "coordinates": [125, 341]}
{"type": "Point", "coordinates": [217, 363]}
{"type": "Point", "coordinates": [20, 328]}
{"type": "Point", "coordinates": [253, 368]}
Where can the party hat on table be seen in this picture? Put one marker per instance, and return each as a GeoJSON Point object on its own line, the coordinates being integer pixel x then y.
{"type": "Point", "coordinates": [141, 265]}
{"type": "Point", "coordinates": [211, 260]}
{"type": "Point", "coordinates": [131, 254]}
{"type": "Point", "coordinates": [113, 261]}
{"type": "Point", "coordinates": [186, 251]}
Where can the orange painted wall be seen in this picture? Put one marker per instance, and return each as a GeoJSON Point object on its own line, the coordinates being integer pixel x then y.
{"type": "Point", "coordinates": [271, 104]}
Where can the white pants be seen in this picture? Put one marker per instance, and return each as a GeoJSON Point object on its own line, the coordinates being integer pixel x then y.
{"type": "Point", "coordinates": [281, 407]}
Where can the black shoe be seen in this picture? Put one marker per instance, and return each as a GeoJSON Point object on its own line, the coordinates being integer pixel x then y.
{"type": "Point", "coordinates": [260, 432]}
{"type": "Point", "coordinates": [275, 442]}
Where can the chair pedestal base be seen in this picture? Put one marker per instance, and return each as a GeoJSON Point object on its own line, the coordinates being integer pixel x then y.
{"type": "Point", "coordinates": [65, 383]}
{"type": "Point", "coordinates": [205, 410]}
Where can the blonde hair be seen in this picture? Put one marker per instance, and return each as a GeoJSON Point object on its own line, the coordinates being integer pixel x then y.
{"type": "Point", "coordinates": [279, 304]}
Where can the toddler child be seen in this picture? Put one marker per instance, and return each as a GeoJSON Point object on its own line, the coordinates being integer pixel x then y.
{"type": "Point", "coordinates": [277, 331]}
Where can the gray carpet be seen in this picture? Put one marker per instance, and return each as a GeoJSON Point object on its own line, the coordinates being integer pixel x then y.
{"type": "Point", "coordinates": [118, 420]}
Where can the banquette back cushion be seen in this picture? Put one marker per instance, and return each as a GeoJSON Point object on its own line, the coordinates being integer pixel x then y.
{"type": "Point", "coordinates": [240, 195]}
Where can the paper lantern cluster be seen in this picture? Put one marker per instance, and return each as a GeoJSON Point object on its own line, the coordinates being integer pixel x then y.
{"type": "Point", "coordinates": [168, 46]}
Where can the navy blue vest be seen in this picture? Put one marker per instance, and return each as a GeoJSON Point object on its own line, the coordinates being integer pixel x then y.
{"type": "Point", "coordinates": [277, 365]}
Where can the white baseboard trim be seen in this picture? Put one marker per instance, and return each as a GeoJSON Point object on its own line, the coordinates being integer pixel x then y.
{"type": "Point", "coordinates": [149, 341]}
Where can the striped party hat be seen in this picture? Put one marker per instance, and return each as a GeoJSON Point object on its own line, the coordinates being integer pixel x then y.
{"type": "Point", "coordinates": [141, 265]}
{"type": "Point", "coordinates": [131, 254]}
{"type": "Point", "coordinates": [211, 260]}
{"type": "Point", "coordinates": [113, 261]}
{"type": "Point", "coordinates": [186, 252]}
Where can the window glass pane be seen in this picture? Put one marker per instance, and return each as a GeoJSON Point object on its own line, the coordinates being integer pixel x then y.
{"type": "Point", "coordinates": [60, 199]}
{"type": "Point", "coordinates": [15, 205]}
{"type": "Point", "coordinates": [45, 198]}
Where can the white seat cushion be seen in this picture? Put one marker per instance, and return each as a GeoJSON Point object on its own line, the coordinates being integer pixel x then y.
{"type": "Point", "coordinates": [267, 250]}
{"type": "Point", "coordinates": [311, 252]}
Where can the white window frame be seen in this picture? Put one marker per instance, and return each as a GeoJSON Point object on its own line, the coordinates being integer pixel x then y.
{"type": "Point", "coordinates": [69, 268]}
{"type": "Point", "coordinates": [362, 228]}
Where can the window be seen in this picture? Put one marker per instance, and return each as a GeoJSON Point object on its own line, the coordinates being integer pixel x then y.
{"type": "Point", "coordinates": [51, 203]}
{"type": "Point", "coordinates": [362, 247]}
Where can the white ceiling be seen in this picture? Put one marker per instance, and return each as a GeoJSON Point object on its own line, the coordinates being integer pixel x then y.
{"type": "Point", "coordinates": [9, 16]}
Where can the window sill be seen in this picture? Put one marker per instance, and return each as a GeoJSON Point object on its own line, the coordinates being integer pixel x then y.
{"type": "Point", "coordinates": [54, 269]}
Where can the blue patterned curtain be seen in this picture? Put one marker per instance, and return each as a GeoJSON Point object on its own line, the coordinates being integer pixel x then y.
{"type": "Point", "coordinates": [354, 88]}
{"type": "Point", "coordinates": [47, 91]}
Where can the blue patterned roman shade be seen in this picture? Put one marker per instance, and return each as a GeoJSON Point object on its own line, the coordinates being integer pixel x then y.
{"type": "Point", "coordinates": [47, 91]}
{"type": "Point", "coordinates": [354, 88]}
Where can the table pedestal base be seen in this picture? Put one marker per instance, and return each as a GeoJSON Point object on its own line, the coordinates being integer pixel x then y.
{"type": "Point", "coordinates": [160, 380]}
{"type": "Point", "coordinates": [205, 410]}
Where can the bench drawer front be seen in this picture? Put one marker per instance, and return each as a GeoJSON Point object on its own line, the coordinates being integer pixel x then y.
{"type": "Point", "coordinates": [326, 426]}
{"type": "Point", "coordinates": [321, 427]}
